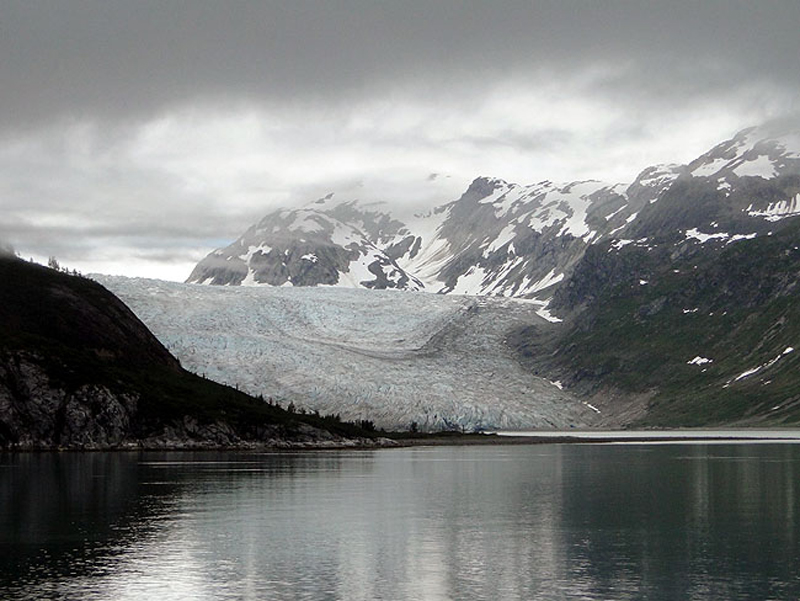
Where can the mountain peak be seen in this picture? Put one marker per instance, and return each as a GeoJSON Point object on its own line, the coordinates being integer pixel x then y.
{"type": "Point", "coordinates": [305, 247]}
{"type": "Point", "coordinates": [764, 152]}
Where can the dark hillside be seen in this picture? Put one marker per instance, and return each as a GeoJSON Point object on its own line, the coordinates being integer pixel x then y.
{"type": "Point", "coordinates": [79, 370]}
{"type": "Point", "coordinates": [43, 307]}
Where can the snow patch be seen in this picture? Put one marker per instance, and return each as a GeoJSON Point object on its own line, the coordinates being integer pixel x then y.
{"type": "Point", "coordinates": [767, 365]}
{"type": "Point", "coordinates": [252, 249]}
{"type": "Point", "coordinates": [695, 234]}
{"type": "Point", "coordinates": [699, 361]}
{"type": "Point", "coordinates": [612, 215]}
{"type": "Point", "coordinates": [471, 282]}
{"type": "Point", "coordinates": [748, 373]}
{"type": "Point", "coordinates": [503, 238]}
{"type": "Point", "coordinates": [738, 237]}
{"type": "Point", "coordinates": [543, 310]}
{"type": "Point", "coordinates": [307, 221]}
{"type": "Point", "coordinates": [249, 279]}
{"type": "Point", "coordinates": [709, 169]}
{"type": "Point", "coordinates": [544, 313]}
{"type": "Point", "coordinates": [660, 176]}
{"type": "Point", "coordinates": [429, 264]}
{"type": "Point", "coordinates": [344, 236]}
{"type": "Point", "coordinates": [761, 166]}
{"type": "Point", "coordinates": [549, 280]}
{"type": "Point", "coordinates": [620, 244]}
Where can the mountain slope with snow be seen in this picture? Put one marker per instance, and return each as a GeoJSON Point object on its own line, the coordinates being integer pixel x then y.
{"type": "Point", "coordinates": [692, 310]}
{"type": "Point", "coordinates": [687, 333]}
{"type": "Point", "coordinates": [303, 247]}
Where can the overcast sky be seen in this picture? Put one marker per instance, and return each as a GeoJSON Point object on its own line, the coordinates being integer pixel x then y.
{"type": "Point", "coordinates": [137, 136]}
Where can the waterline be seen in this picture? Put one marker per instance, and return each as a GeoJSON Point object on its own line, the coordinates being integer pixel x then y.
{"type": "Point", "coordinates": [662, 436]}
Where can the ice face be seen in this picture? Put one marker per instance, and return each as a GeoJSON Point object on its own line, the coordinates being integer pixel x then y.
{"type": "Point", "coordinates": [389, 356]}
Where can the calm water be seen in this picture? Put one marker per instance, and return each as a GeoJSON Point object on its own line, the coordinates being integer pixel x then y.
{"type": "Point", "coordinates": [696, 521]}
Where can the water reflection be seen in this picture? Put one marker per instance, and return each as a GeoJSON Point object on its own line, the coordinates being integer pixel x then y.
{"type": "Point", "coordinates": [531, 522]}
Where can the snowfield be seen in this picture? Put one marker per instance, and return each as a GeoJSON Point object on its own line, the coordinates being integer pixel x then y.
{"type": "Point", "coordinates": [389, 356]}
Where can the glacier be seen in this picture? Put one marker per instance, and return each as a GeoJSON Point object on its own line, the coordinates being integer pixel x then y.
{"type": "Point", "coordinates": [393, 357]}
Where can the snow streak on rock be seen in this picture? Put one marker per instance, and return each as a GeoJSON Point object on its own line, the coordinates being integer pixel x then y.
{"type": "Point", "coordinates": [775, 211]}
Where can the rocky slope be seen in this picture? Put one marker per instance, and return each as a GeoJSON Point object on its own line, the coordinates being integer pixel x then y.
{"type": "Point", "coordinates": [686, 335]}
{"type": "Point", "coordinates": [79, 370]}
{"type": "Point", "coordinates": [307, 247]}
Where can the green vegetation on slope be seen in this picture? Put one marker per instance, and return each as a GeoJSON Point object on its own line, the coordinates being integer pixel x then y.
{"type": "Point", "coordinates": [655, 309]}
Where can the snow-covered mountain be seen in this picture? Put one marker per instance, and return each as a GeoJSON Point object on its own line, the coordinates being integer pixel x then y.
{"type": "Point", "coordinates": [497, 239]}
{"type": "Point", "coordinates": [738, 190]}
{"type": "Point", "coordinates": [753, 152]}
{"type": "Point", "coordinates": [307, 247]}
{"type": "Point", "coordinates": [505, 239]}
{"type": "Point", "coordinates": [386, 356]}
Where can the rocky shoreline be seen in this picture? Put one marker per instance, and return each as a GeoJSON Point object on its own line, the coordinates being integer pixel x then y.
{"type": "Point", "coordinates": [188, 445]}
{"type": "Point", "coordinates": [311, 443]}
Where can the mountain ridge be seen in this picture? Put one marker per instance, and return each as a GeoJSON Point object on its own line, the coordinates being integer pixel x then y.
{"type": "Point", "coordinates": [505, 239]}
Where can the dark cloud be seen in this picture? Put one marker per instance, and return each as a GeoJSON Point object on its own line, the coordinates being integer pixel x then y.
{"type": "Point", "coordinates": [156, 130]}
{"type": "Point", "coordinates": [118, 58]}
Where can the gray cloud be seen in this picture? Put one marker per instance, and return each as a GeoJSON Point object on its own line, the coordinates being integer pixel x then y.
{"type": "Point", "coordinates": [117, 58]}
{"type": "Point", "coordinates": [157, 130]}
